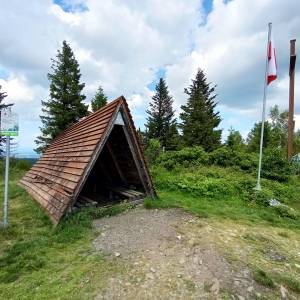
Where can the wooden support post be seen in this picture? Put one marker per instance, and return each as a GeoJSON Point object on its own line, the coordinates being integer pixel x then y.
{"type": "Point", "coordinates": [291, 122]}
{"type": "Point", "coordinates": [116, 163]}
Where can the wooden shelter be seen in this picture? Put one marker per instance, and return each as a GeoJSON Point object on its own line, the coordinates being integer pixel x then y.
{"type": "Point", "coordinates": [95, 161]}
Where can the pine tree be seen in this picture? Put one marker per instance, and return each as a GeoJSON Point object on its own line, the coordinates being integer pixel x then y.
{"type": "Point", "coordinates": [3, 95]}
{"type": "Point", "coordinates": [279, 123]}
{"type": "Point", "coordinates": [161, 115]}
{"type": "Point", "coordinates": [65, 104]}
{"type": "Point", "coordinates": [199, 119]}
{"type": "Point", "coordinates": [234, 140]}
{"type": "Point", "coordinates": [99, 100]}
{"type": "Point", "coordinates": [253, 139]}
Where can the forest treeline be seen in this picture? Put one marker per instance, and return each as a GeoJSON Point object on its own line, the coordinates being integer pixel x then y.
{"type": "Point", "coordinates": [198, 123]}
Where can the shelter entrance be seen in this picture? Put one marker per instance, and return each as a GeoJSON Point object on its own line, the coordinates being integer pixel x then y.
{"type": "Point", "coordinates": [114, 176]}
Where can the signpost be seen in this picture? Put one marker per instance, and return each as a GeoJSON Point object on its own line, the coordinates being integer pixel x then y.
{"type": "Point", "coordinates": [9, 127]}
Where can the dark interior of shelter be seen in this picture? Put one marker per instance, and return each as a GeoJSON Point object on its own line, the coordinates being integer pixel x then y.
{"type": "Point", "coordinates": [114, 176]}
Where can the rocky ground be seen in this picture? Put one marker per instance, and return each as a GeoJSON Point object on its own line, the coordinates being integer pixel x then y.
{"type": "Point", "coordinates": [169, 254]}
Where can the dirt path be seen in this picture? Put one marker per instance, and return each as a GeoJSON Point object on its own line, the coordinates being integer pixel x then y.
{"type": "Point", "coordinates": [168, 254]}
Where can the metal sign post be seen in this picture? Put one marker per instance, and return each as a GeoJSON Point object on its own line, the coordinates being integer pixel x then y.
{"type": "Point", "coordinates": [5, 206]}
{"type": "Point", "coordinates": [9, 127]}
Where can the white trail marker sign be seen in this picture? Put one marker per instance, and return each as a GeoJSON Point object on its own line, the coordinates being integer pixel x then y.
{"type": "Point", "coordinates": [9, 127]}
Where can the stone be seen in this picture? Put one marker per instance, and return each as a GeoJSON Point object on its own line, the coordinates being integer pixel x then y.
{"type": "Point", "coordinates": [215, 287]}
{"type": "Point", "coordinates": [297, 266]}
{"type": "Point", "coordinates": [275, 256]}
{"type": "Point", "coordinates": [150, 276]}
{"type": "Point", "coordinates": [152, 270]}
{"type": "Point", "coordinates": [178, 237]}
{"type": "Point", "coordinates": [283, 292]}
{"type": "Point", "coordinates": [241, 297]}
{"type": "Point", "coordinates": [250, 289]}
{"type": "Point", "coordinates": [117, 254]}
{"type": "Point", "coordinates": [182, 261]}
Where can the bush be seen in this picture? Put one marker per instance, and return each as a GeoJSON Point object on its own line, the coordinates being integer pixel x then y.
{"type": "Point", "coordinates": [222, 157]}
{"type": "Point", "coordinates": [196, 184]}
{"type": "Point", "coordinates": [152, 151]}
{"type": "Point", "coordinates": [275, 166]}
{"type": "Point", "coordinates": [260, 197]}
{"type": "Point", "coordinates": [226, 157]}
{"type": "Point", "coordinates": [286, 212]}
{"type": "Point", "coordinates": [186, 157]}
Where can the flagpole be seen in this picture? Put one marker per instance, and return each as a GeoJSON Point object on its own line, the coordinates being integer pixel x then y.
{"type": "Point", "coordinates": [258, 186]}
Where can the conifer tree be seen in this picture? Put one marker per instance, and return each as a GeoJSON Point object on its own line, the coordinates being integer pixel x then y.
{"type": "Point", "coordinates": [3, 95]}
{"type": "Point", "coordinates": [65, 104]}
{"type": "Point", "coordinates": [199, 118]}
{"type": "Point", "coordinates": [99, 100]}
{"type": "Point", "coordinates": [161, 115]}
{"type": "Point", "coordinates": [253, 139]}
{"type": "Point", "coordinates": [234, 140]}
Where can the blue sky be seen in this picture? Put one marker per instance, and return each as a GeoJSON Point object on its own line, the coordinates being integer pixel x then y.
{"type": "Point", "coordinates": [126, 46]}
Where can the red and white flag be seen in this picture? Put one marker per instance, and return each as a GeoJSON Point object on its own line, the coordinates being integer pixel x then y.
{"type": "Point", "coordinates": [272, 66]}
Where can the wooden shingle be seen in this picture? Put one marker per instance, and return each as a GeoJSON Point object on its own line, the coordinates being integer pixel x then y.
{"type": "Point", "coordinates": [57, 178]}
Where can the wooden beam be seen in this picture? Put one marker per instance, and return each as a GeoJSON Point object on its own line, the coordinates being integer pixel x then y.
{"type": "Point", "coordinates": [95, 156]}
{"type": "Point", "coordinates": [291, 122]}
{"type": "Point", "coordinates": [137, 163]}
{"type": "Point", "coordinates": [111, 152]}
{"type": "Point", "coordinates": [137, 155]}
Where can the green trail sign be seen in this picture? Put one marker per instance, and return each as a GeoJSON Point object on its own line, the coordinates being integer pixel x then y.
{"type": "Point", "coordinates": [9, 123]}
{"type": "Point", "coordinates": [9, 127]}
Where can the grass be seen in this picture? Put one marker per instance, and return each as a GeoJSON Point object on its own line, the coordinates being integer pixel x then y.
{"type": "Point", "coordinates": [227, 193]}
{"type": "Point", "coordinates": [225, 198]}
{"type": "Point", "coordinates": [292, 283]}
{"type": "Point", "coordinates": [38, 261]}
{"type": "Point", "coordinates": [262, 278]}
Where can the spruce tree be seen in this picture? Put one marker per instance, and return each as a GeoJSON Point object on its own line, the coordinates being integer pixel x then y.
{"type": "Point", "coordinates": [3, 95]}
{"type": "Point", "coordinates": [99, 100]}
{"type": "Point", "coordinates": [65, 104]}
{"type": "Point", "coordinates": [235, 140]}
{"type": "Point", "coordinates": [253, 139]}
{"type": "Point", "coordinates": [199, 118]}
{"type": "Point", "coordinates": [161, 115]}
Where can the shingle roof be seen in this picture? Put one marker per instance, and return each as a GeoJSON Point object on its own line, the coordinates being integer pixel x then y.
{"type": "Point", "coordinates": [55, 180]}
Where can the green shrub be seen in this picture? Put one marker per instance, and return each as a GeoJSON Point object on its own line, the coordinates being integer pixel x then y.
{"type": "Point", "coordinates": [186, 157]}
{"type": "Point", "coordinates": [295, 164]}
{"type": "Point", "coordinates": [260, 197]}
{"type": "Point", "coordinates": [286, 212]}
{"type": "Point", "coordinates": [226, 157]}
{"type": "Point", "coordinates": [223, 157]}
{"type": "Point", "coordinates": [275, 166]}
{"type": "Point", "coordinates": [152, 151]}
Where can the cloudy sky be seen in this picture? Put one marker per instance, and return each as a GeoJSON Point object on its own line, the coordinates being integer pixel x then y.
{"type": "Point", "coordinates": [126, 45]}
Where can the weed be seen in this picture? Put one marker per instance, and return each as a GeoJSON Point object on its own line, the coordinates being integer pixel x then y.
{"type": "Point", "coordinates": [291, 283]}
{"type": "Point", "coordinates": [283, 234]}
{"type": "Point", "coordinates": [262, 278]}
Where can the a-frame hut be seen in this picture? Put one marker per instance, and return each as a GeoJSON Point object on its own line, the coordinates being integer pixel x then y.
{"type": "Point", "coordinates": [97, 160]}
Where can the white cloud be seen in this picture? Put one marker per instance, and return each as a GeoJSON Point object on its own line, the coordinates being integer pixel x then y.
{"type": "Point", "coordinates": [122, 44]}
{"type": "Point", "coordinates": [231, 49]}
